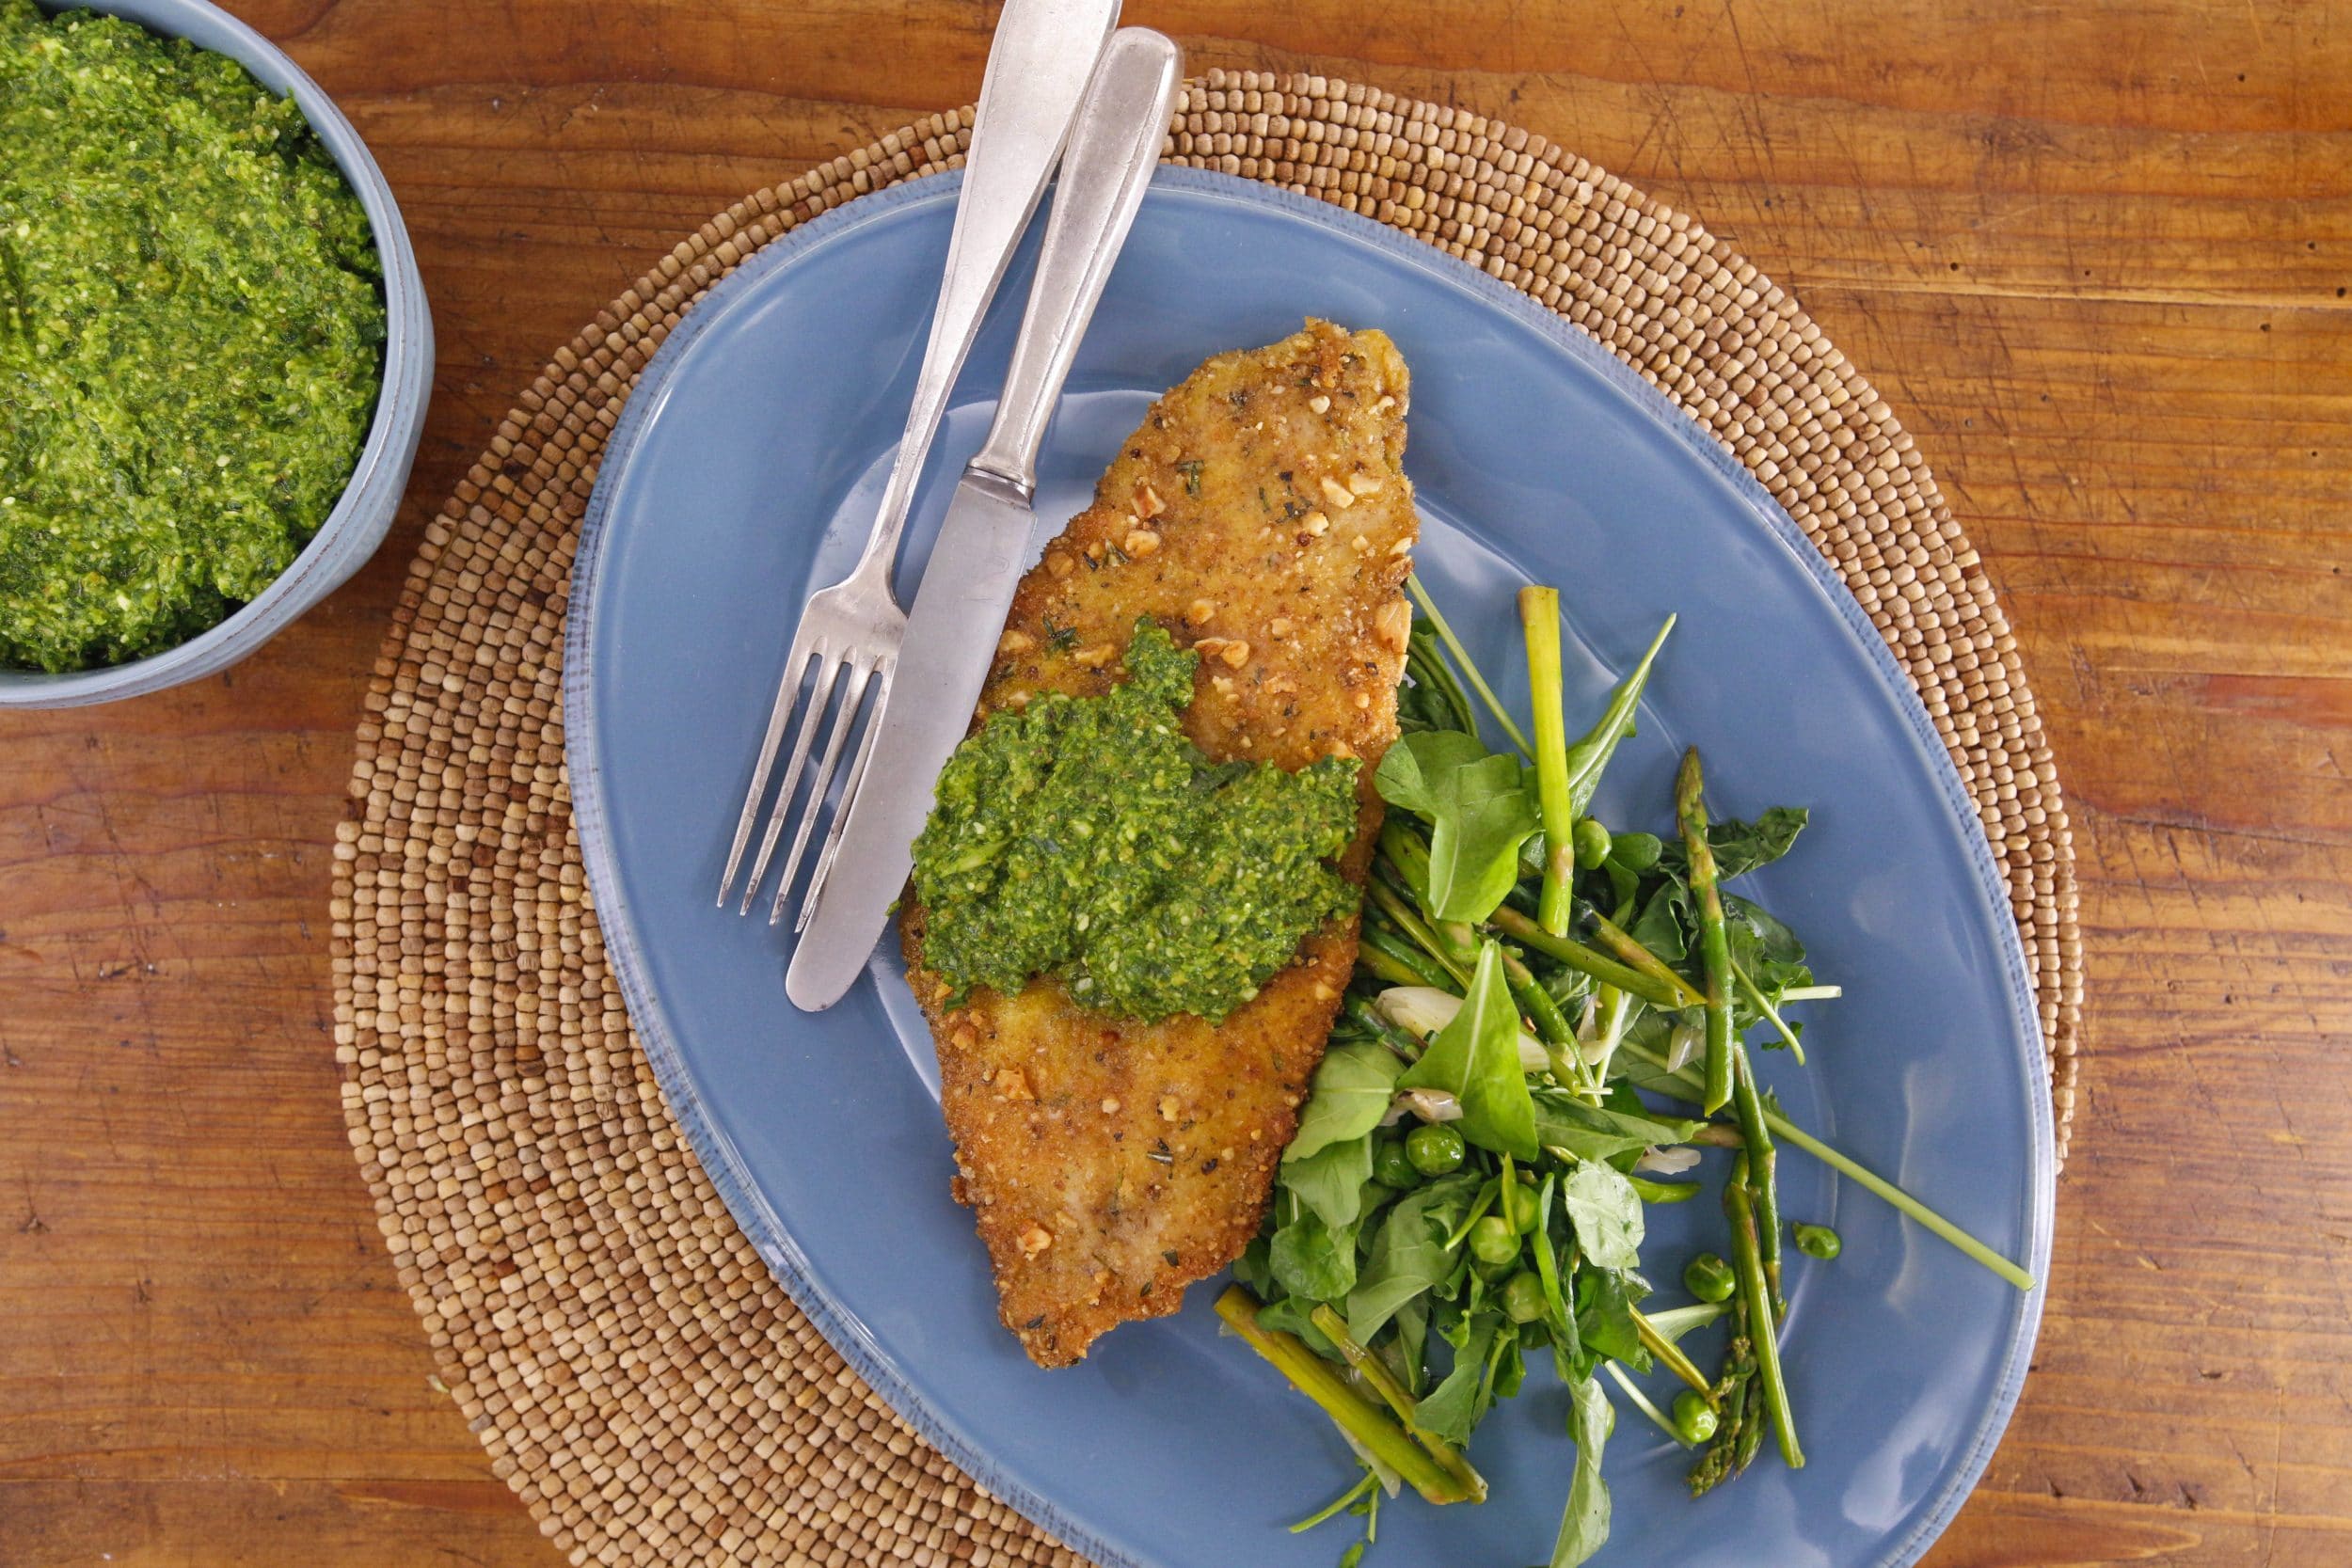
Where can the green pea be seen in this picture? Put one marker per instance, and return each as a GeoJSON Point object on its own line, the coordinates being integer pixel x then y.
{"type": "Point", "coordinates": [1390, 1168]}
{"type": "Point", "coordinates": [1693, 1421]}
{"type": "Point", "coordinates": [1524, 1297]}
{"type": "Point", "coordinates": [1635, 851]}
{"type": "Point", "coordinates": [1493, 1241]}
{"type": "Point", "coordinates": [1591, 842]}
{"type": "Point", "coordinates": [1710, 1279]}
{"type": "Point", "coordinates": [1523, 1205]}
{"type": "Point", "coordinates": [1434, 1148]}
{"type": "Point", "coordinates": [1819, 1240]}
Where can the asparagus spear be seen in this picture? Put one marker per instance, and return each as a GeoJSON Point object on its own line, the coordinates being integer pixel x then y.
{"type": "Point", "coordinates": [1763, 1170]}
{"type": "Point", "coordinates": [1539, 620]}
{"type": "Point", "coordinates": [1621, 941]}
{"type": "Point", "coordinates": [1714, 946]}
{"type": "Point", "coordinates": [1393, 959]}
{"type": "Point", "coordinates": [1409, 920]}
{"type": "Point", "coordinates": [1372, 1370]}
{"type": "Point", "coordinates": [1551, 1024]}
{"type": "Point", "coordinates": [1376, 961]}
{"type": "Point", "coordinates": [1600, 966]}
{"type": "Point", "coordinates": [1747, 1261]}
{"type": "Point", "coordinates": [1361, 1419]}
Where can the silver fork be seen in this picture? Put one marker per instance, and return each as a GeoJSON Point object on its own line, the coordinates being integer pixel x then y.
{"type": "Point", "coordinates": [1039, 63]}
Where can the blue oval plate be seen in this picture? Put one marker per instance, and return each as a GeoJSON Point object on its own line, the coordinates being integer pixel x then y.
{"type": "Point", "coordinates": [742, 476]}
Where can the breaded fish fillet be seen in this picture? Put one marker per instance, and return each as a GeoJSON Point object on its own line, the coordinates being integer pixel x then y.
{"type": "Point", "coordinates": [1261, 515]}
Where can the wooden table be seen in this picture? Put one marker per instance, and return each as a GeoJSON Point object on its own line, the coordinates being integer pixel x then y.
{"type": "Point", "coordinates": [2096, 256]}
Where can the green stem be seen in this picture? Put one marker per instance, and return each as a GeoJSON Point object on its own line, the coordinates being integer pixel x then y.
{"type": "Point", "coordinates": [1670, 1354]}
{"type": "Point", "coordinates": [1901, 1199]}
{"type": "Point", "coordinates": [1371, 1369]}
{"type": "Point", "coordinates": [1338, 1504]}
{"type": "Point", "coordinates": [1763, 1169]}
{"type": "Point", "coordinates": [1686, 1086]}
{"type": "Point", "coordinates": [1539, 620]}
{"type": "Point", "coordinates": [1748, 1263]}
{"type": "Point", "coordinates": [1361, 1419]}
{"type": "Point", "coordinates": [1715, 945]}
{"type": "Point", "coordinates": [1615, 1009]}
{"type": "Point", "coordinates": [1601, 967]}
{"type": "Point", "coordinates": [1641, 1403]}
{"type": "Point", "coordinates": [1813, 993]}
{"type": "Point", "coordinates": [1621, 941]}
{"type": "Point", "coordinates": [1461, 657]}
{"type": "Point", "coordinates": [1390, 903]}
{"type": "Point", "coordinates": [1762, 1004]}
{"type": "Point", "coordinates": [1591, 754]}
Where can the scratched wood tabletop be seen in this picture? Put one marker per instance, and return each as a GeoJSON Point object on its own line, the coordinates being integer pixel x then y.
{"type": "Point", "coordinates": [2096, 255]}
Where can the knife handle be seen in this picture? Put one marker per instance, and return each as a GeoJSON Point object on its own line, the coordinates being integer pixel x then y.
{"type": "Point", "coordinates": [1113, 148]}
{"type": "Point", "coordinates": [1044, 54]}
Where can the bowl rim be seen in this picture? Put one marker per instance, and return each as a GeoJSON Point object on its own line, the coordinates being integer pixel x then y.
{"type": "Point", "coordinates": [363, 512]}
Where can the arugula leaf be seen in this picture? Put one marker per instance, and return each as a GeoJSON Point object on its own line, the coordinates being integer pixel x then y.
{"type": "Point", "coordinates": [1589, 1132]}
{"type": "Point", "coordinates": [1663, 920]}
{"type": "Point", "coordinates": [1479, 812]}
{"type": "Point", "coordinates": [1290, 1315]}
{"type": "Point", "coordinates": [1760, 943]}
{"type": "Point", "coordinates": [1454, 1407]}
{"type": "Point", "coordinates": [1409, 1253]}
{"type": "Point", "coordinates": [1606, 1213]}
{"type": "Point", "coordinates": [1315, 1260]}
{"type": "Point", "coordinates": [1604, 1316]}
{"type": "Point", "coordinates": [1584, 1522]}
{"type": "Point", "coordinates": [1351, 1090]}
{"type": "Point", "coordinates": [1332, 1181]}
{"type": "Point", "coordinates": [1251, 1268]}
{"type": "Point", "coordinates": [1742, 846]}
{"type": "Point", "coordinates": [1476, 1059]}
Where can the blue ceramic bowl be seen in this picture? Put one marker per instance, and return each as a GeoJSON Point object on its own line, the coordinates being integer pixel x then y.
{"type": "Point", "coordinates": [364, 514]}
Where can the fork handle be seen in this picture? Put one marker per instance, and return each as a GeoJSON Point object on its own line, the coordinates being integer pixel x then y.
{"type": "Point", "coordinates": [1038, 65]}
{"type": "Point", "coordinates": [1113, 149]}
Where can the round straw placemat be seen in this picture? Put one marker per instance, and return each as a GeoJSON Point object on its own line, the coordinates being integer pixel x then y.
{"type": "Point", "coordinates": [635, 1373]}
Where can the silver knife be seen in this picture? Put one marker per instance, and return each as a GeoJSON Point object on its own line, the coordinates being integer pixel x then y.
{"type": "Point", "coordinates": [960, 609]}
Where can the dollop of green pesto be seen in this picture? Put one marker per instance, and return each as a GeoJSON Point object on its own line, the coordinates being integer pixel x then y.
{"type": "Point", "coordinates": [1086, 837]}
{"type": "Point", "coordinates": [191, 337]}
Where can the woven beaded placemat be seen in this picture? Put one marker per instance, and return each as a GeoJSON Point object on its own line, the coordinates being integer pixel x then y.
{"type": "Point", "coordinates": [636, 1374]}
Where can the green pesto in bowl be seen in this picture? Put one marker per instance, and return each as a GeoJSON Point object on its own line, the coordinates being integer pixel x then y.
{"type": "Point", "coordinates": [192, 327]}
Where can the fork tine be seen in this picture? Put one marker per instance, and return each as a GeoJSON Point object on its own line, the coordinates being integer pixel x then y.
{"type": "Point", "coordinates": [819, 698]}
{"type": "Point", "coordinates": [787, 692]}
{"type": "Point", "coordinates": [849, 793]}
{"type": "Point", "coordinates": [820, 785]}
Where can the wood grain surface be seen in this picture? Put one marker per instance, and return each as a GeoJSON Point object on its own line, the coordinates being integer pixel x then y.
{"type": "Point", "coordinates": [2096, 255]}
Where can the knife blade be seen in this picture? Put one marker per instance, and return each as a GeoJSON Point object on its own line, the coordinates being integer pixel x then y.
{"type": "Point", "coordinates": [983, 545]}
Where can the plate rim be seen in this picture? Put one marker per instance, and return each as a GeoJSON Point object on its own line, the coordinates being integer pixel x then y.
{"type": "Point", "coordinates": [731, 1176]}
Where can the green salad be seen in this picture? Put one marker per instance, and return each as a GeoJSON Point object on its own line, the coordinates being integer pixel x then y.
{"type": "Point", "coordinates": [192, 324]}
{"type": "Point", "coordinates": [1548, 1019]}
